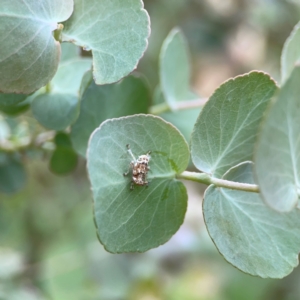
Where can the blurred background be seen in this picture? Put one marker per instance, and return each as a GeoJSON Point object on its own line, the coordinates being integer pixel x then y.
{"type": "Point", "coordinates": [48, 244]}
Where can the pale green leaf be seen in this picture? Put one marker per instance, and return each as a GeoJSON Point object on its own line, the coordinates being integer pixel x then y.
{"type": "Point", "coordinates": [69, 51]}
{"type": "Point", "coordinates": [226, 128]}
{"type": "Point", "coordinates": [145, 217]}
{"type": "Point", "coordinates": [251, 236]}
{"type": "Point", "coordinates": [68, 77]}
{"type": "Point", "coordinates": [174, 69]}
{"type": "Point", "coordinates": [29, 55]}
{"type": "Point", "coordinates": [98, 103]}
{"type": "Point", "coordinates": [184, 119]}
{"type": "Point", "coordinates": [277, 156]}
{"type": "Point", "coordinates": [115, 31]}
{"type": "Point", "coordinates": [55, 111]}
{"type": "Point", "coordinates": [290, 53]}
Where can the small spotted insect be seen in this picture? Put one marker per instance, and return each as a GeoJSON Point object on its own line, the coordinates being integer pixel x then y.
{"type": "Point", "coordinates": [139, 168]}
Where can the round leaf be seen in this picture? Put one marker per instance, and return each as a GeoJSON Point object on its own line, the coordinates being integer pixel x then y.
{"type": "Point", "coordinates": [116, 32]}
{"type": "Point", "coordinates": [145, 217]}
{"type": "Point", "coordinates": [226, 128]}
{"type": "Point", "coordinates": [277, 156]}
{"type": "Point", "coordinates": [29, 55]}
{"type": "Point", "coordinates": [55, 111]}
{"type": "Point", "coordinates": [98, 103]}
{"type": "Point", "coordinates": [251, 236]}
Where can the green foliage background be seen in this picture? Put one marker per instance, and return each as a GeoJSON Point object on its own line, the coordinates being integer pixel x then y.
{"type": "Point", "coordinates": [48, 246]}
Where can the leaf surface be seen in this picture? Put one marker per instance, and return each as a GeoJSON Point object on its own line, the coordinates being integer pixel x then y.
{"type": "Point", "coordinates": [227, 126]}
{"type": "Point", "coordinates": [29, 55]}
{"type": "Point", "coordinates": [68, 77]}
{"type": "Point", "coordinates": [290, 53]}
{"type": "Point", "coordinates": [115, 31]}
{"type": "Point", "coordinates": [145, 217]}
{"type": "Point", "coordinates": [277, 156]}
{"type": "Point", "coordinates": [12, 174]}
{"type": "Point", "coordinates": [55, 111]}
{"type": "Point", "coordinates": [174, 69]}
{"type": "Point", "coordinates": [251, 236]}
{"type": "Point", "coordinates": [98, 103]}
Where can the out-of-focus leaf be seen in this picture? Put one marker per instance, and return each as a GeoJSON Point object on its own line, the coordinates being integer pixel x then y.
{"type": "Point", "coordinates": [12, 174]}
{"type": "Point", "coordinates": [11, 99]}
{"type": "Point", "coordinates": [29, 55]}
{"type": "Point", "coordinates": [227, 126]}
{"type": "Point", "coordinates": [145, 217]}
{"type": "Point", "coordinates": [290, 53]}
{"type": "Point", "coordinates": [55, 111]}
{"type": "Point", "coordinates": [174, 69]}
{"type": "Point", "coordinates": [277, 155]}
{"type": "Point", "coordinates": [63, 160]}
{"type": "Point", "coordinates": [184, 119]}
{"type": "Point", "coordinates": [98, 103]}
{"type": "Point", "coordinates": [116, 32]}
{"type": "Point", "coordinates": [69, 75]}
{"type": "Point", "coordinates": [69, 51]}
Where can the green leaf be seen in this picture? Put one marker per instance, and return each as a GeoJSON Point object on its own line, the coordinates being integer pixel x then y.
{"type": "Point", "coordinates": [68, 78]}
{"type": "Point", "coordinates": [116, 32]}
{"type": "Point", "coordinates": [12, 174]}
{"type": "Point", "coordinates": [16, 109]}
{"type": "Point", "coordinates": [145, 217]}
{"type": "Point", "coordinates": [184, 120]}
{"type": "Point", "coordinates": [251, 236]}
{"type": "Point", "coordinates": [62, 139]}
{"type": "Point", "coordinates": [277, 156]}
{"type": "Point", "coordinates": [11, 99]}
{"type": "Point", "coordinates": [174, 69]}
{"type": "Point", "coordinates": [13, 104]}
{"type": "Point", "coordinates": [227, 126]}
{"type": "Point", "coordinates": [63, 160]}
{"type": "Point", "coordinates": [69, 51]}
{"type": "Point", "coordinates": [29, 55]}
{"type": "Point", "coordinates": [98, 103]}
{"type": "Point", "coordinates": [55, 111]}
{"type": "Point", "coordinates": [290, 53]}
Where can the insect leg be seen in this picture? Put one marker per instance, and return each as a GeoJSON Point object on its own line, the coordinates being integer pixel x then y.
{"type": "Point", "coordinates": [130, 152]}
{"type": "Point", "coordinates": [132, 185]}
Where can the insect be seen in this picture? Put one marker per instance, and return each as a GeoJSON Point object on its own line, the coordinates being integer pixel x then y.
{"type": "Point", "coordinates": [139, 168]}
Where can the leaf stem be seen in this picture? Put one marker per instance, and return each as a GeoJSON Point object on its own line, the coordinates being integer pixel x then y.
{"type": "Point", "coordinates": [207, 179]}
{"type": "Point", "coordinates": [165, 107]}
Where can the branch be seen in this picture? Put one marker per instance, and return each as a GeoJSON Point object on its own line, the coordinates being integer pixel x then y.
{"type": "Point", "coordinates": [207, 179]}
{"type": "Point", "coordinates": [164, 107]}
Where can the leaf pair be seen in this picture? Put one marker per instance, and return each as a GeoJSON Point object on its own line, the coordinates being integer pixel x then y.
{"type": "Point", "coordinates": [115, 31]}
{"type": "Point", "coordinates": [250, 235]}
